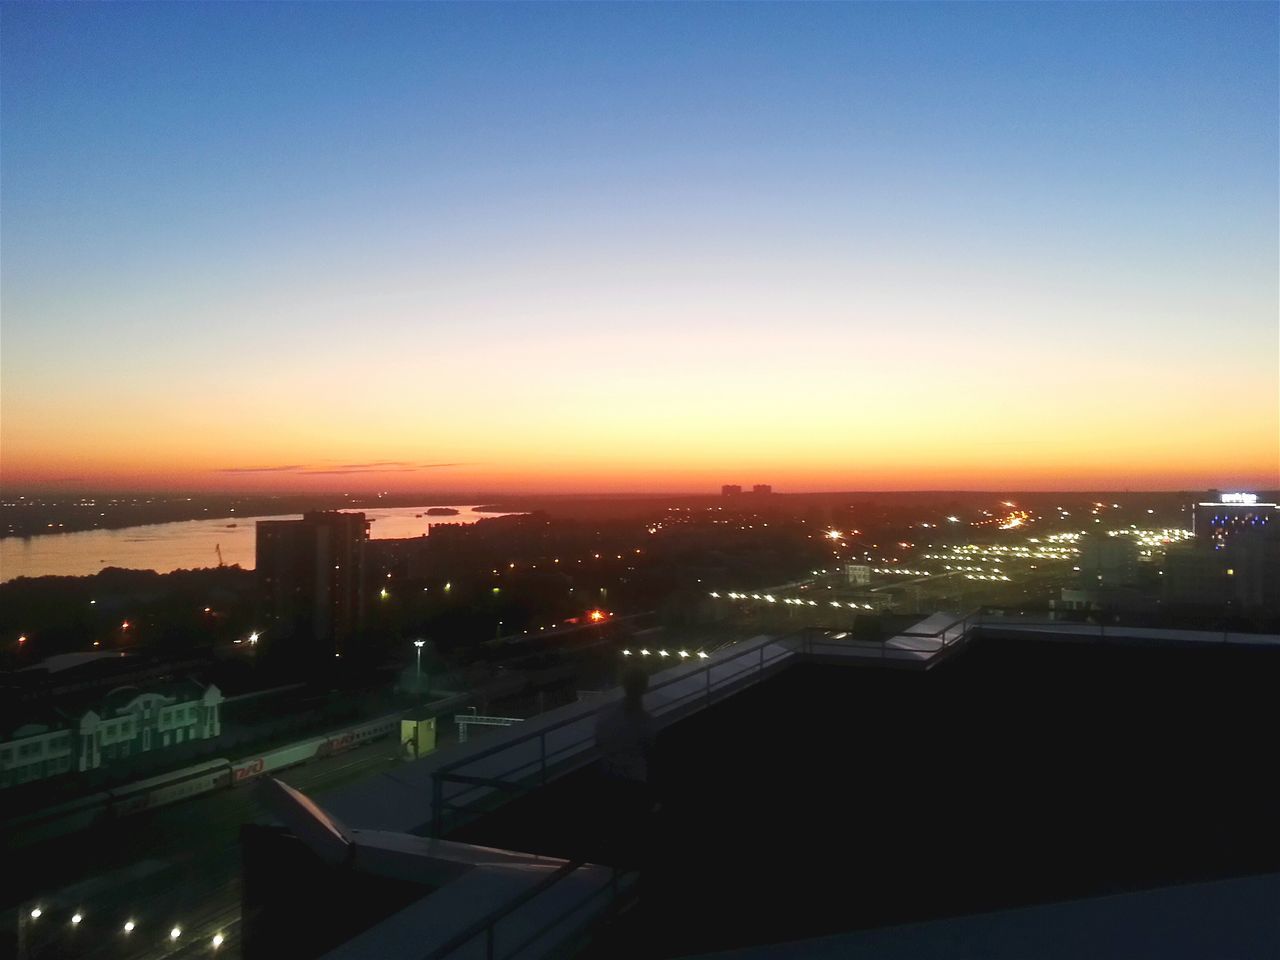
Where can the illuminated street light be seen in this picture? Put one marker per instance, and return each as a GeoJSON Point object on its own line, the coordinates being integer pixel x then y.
{"type": "Point", "coordinates": [128, 926]}
{"type": "Point", "coordinates": [77, 917]}
{"type": "Point", "coordinates": [253, 637]}
{"type": "Point", "coordinates": [35, 913]}
{"type": "Point", "coordinates": [175, 933]}
{"type": "Point", "coordinates": [702, 655]}
{"type": "Point", "coordinates": [218, 940]}
{"type": "Point", "coordinates": [626, 653]}
{"type": "Point", "coordinates": [418, 645]}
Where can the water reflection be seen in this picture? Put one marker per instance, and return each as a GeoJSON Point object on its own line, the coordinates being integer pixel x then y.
{"type": "Point", "coordinates": [184, 545]}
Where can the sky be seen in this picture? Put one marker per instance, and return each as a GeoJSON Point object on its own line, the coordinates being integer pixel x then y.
{"type": "Point", "coordinates": [618, 247]}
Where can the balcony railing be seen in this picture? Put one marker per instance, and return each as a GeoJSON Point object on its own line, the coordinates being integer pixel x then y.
{"type": "Point", "coordinates": [570, 742]}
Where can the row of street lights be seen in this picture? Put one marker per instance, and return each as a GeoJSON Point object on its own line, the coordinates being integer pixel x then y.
{"type": "Point", "coordinates": [36, 912]}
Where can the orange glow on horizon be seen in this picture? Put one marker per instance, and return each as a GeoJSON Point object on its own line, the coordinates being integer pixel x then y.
{"type": "Point", "coordinates": [744, 411]}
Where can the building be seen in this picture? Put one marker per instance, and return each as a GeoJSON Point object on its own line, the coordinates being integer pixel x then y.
{"type": "Point", "coordinates": [762, 489]}
{"type": "Point", "coordinates": [126, 722]}
{"type": "Point", "coordinates": [731, 490]}
{"type": "Point", "coordinates": [1233, 560]}
{"type": "Point", "coordinates": [508, 848]}
{"type": "Point", "coordinates": [1216, 520]}
{"type": "Point", "coordinates": [1108, 561]}
{"type": "Point", "coordinates": [313, 578]}
{"type": "Point", "coordinates": [1241, 574]}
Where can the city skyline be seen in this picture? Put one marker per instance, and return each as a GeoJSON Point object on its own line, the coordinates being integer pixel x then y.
{"type": "Point", "coordinates": [579, 248]}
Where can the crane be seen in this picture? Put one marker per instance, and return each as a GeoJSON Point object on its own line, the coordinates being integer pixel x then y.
{"type": "Point", "coordinates": [218, 549]}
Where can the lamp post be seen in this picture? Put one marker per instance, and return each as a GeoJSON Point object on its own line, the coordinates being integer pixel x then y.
{"type": "Point", "coordinates": [419, 644]}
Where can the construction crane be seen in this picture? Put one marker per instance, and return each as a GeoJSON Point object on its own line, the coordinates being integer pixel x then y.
{"type": "Point", "coordinates": [218, 549]}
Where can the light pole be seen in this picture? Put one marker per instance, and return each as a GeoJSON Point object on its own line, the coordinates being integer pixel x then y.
{"type": "Point", "coordinates": [419, 644]}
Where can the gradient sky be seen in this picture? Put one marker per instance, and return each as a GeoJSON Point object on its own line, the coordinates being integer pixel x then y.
{"type": "Point", "coordinates": [615, 247]}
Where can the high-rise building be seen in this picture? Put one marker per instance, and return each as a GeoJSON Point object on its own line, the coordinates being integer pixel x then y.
{"type": "Point", "coordinates": [312, 576]}
{"type": "Point", "coordinates": [761, 488]}
{"type": "Point", "coordinates": [1216, 520]}
{"type": "Point", "coordinates": [731, 489]}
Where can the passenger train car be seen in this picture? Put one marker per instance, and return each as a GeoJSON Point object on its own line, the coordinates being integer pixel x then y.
{"type": "Point", "coordinates": [95, 809]}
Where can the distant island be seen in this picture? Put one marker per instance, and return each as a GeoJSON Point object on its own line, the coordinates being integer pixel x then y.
{"type": "Point", "coordinates": [442, 512]}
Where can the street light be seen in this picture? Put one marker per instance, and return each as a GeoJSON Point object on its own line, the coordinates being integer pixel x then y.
{"type": "Point", "coordinates": [419, 644]}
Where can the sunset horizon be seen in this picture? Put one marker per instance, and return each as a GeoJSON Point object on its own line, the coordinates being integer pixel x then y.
{"type": "Point", "coordinates": [550, 479]}
{"type": "Point", "coordinates": [712, 243]}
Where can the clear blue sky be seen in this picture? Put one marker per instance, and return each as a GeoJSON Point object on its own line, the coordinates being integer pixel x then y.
{"type": "Point", "coordinates": [424, 199]}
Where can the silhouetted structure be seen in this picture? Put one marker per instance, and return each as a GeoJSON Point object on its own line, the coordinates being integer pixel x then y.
{"type": "Point", "coordinates": [1216, 520]}
{"type": "Point", "coordinates": [312, 575]}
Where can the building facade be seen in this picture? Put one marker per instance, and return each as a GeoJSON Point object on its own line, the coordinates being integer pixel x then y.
{"type": "Point", "coordinates": [1224, 515]}
{"type": "Point", "coordinates": [127, 722]}
{"type": "Point", "coordinates": [313, 578]}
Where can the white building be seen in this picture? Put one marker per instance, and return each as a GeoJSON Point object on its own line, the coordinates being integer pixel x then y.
{"type": "Point", "coordinates": [127, 722]}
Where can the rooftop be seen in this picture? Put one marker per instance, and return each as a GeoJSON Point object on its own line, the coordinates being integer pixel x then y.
{"type": "Point", "coordinates": [809, 791]}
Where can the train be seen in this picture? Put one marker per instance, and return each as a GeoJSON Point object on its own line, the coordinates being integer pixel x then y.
{"type": "Point", "coordinates": [220, 774]}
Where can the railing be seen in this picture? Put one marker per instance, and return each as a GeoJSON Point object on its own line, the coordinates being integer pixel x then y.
{"type": "Point", "coordinates": [530, 773]}
{"type": "Point", "coordinates": [1117, 630]}
{"type": "Point", "coordinates": [487, 926]}
{"type": "Point", "coordinates": [753, 660]}
{"type": "Point", "coordinates": [465, 720]}
{"type": "Point", "coordinates": [953, 633]}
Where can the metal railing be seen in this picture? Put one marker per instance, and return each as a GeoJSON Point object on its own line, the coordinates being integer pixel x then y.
{"type": "Point", "coordinates": [487, 926]}
{"type": "Point", "coordinates": [951, 634]}
{"type": "Point", "coordinates": [1119, 630]}
{"type": "Point", "coordinates": [528, 774]}
{"type": "Point", "coordinates": [531, 773]}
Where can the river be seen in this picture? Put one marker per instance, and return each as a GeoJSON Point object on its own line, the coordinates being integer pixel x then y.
{"type": "Point", "coordinates": [185, 545]}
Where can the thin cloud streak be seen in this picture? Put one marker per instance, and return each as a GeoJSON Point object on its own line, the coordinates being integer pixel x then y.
{"type": "Point", "coordinates": [377, 466]}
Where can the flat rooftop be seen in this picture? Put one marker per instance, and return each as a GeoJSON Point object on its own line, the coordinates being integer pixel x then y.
{"type": "Point", "coordinates": [827, 799]}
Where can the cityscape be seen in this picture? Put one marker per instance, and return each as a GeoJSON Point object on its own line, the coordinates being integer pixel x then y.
{"type": "Point", "coordinates": [639, 481]}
